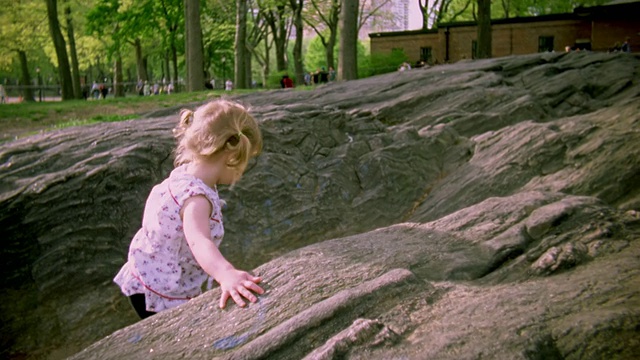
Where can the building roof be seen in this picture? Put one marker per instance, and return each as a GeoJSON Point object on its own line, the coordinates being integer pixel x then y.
{"type": "Point", "coordinates": [616, 8]}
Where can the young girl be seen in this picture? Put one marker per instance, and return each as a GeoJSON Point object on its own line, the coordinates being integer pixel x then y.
{"type": "Point", "coordinates": [176, 250]}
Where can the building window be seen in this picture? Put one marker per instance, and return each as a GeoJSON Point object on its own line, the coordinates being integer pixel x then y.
{"type": "Point", "coordinates": [426, 55]}
{"type": "Point", "coordinates": [583, 44]}
{"type": "Point", "coordinates": [474, 49]}
{"type": "Point", "coordinates": [545, 43]}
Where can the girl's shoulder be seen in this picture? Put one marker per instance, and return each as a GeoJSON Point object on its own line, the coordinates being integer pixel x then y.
{"type": "Point", "coordinates": [183, 185]}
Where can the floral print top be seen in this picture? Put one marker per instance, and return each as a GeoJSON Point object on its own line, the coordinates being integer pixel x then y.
{"type": "Point", "coordinates": [160, 264]}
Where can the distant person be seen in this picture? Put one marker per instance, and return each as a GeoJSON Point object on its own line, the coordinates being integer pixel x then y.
{"type": "Point", "coordinates": [139, 87]}
{"type": "Point", "coordinates": [626, 47]}
{"type": "Point", "coordinates": [170, 88]}
{"type": "Point", "coordinates": [146, 89]}
{"type": "Point", "coordinates": [3, 95]}
{"type": "Point", "coordinates": [95, 90]}
{"type": "Point", "coordinates": [324, 76]}
{"type": "Point", "coordinates": [104, 91]}
{"type": "Point", "coordinates": [332, 74]}
{"type": "Point", "coordinates": [286, 82]}
{"type": "Point", "coordinates": [307, 78]}
{"type": "Point", "coordinates": [85, 91]}
{"type": "Point", "coordinates": [215, 143]}
{"type": "Point", "coordinates": [228, 85]}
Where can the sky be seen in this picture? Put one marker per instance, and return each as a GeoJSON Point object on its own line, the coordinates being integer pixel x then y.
{"type": "Point", "coordinates": [415, 18]}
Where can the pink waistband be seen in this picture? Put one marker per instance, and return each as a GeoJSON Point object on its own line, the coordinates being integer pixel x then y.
{"type": "Point", "coordinates": [157, 293]}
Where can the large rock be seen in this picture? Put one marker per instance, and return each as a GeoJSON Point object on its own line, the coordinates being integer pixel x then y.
{"type": "Point", "coordinates": [485, 208]}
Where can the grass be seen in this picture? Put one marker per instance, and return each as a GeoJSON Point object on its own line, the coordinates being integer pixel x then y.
{"type": "Point", "coordinates": [22, 119]}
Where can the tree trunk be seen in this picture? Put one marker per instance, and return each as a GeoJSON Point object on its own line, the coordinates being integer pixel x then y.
{"type": "Point", "coordinates": [75, 69]}
{"type": "Point", "coordinates": [281, 62]}
{"type": "Point", "coordinates": [330, 23]}
{"type": "Point", "coordinates": [348, 63]}
{"type": "Point", "coordinates": [484, 29]}
{"type": "Point", "coordinates": [267, 61]}
{"type": "Point", "coordinates": [277, 23]}
{"type": "Point", "coordinates": [193, 46]}
{"type": "Point", "coordinates": [240, 63]}
{"type": "Point", "coordinates": [27, 93]}
{"type": "Point", "coordinates": [167, 76]}
{"type": "Point", "coordinates": [334, 23]}
{"type": "Point", "coordinates": [174, 59]}
{"type": "Point", "coordinates": [424, 11]}
{"type": "Point", "coordinates": [141, 69]}
{"type": "Point", "coordinates": [118, 83]}
{"type": "Point", "coordinates": [296, 6]}
{"type": "Point", "coordinates": [64, 72]}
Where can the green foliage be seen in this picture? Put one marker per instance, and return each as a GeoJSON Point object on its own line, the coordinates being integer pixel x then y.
{"type": "Point", "coordinates": [386, 63]}
{"type": "Point", "coordinates": [462, 10]}
{"type": "Point", "coordinates": [24, 28]}
{"type": "Point", "coordinates": [316, 57]}
{"type": "Point", "coordinates": [364, 59]}
{"type": "Point", "coordinates": [541, 7]}
{"type": "Point", "coordinates": [218, 39]}
{"type": "Point", "coordinates": [516, 8]}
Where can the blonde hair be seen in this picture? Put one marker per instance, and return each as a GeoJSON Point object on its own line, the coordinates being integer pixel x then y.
{"type": "Point", "coordinates": [216, 126]}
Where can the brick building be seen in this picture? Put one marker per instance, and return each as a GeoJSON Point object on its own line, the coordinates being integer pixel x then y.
{"type": "Point", "coordinates": [596, 28]}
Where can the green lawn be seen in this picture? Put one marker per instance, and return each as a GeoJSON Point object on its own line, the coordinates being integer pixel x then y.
{"type": "Point", "coordinates": [26, 118]}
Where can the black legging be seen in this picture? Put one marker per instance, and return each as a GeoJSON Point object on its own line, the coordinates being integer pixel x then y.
{"type": "Point", "coordinates": [140, 306]}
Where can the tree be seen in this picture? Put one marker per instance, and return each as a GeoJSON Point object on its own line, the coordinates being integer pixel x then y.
{"type": "Point", "coordinates": [374, 12]}
{"type": "Point", "coordinates": [436, 11]}
{"type": "Point", "coordinates": [242, 54]}
{"type": "Point", "coordinates": [348, 64]}
{"type": "Point", "coordinates": [218, 37]}
{"type": "Point", "coordinates": [140, 21]}
{"type": "Point", "coordinates": [118, 78]}
{"type": "Point", "coordinates": [193, 46]}
{"type": "Point", "coordinates": [512, 8]}
{"type": "Point", "coordinates": [171, 14]}
{"type": "Point", "coordinates": [21, 34]}
{"type": "Point", "coordinates": [109, 19]}
{"type": "Point", "coordinates": [484, 29]}
{"type": "Point", "coordinates": [275, 14]}
{"type": "Point", "coordinates": [75, 71]}
{"type": "Point", "coordinates": [64, 71]}
{"type": "Point", "coordinates": [259, 34]}
{"type": "Point", "coordinates": [323, 17]}
{"type": "Point", "coordinates": [296, 7]}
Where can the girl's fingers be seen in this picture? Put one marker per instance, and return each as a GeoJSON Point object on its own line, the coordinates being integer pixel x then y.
{"type": "Point", "coordinates": [237, 298]}
{"type": "Point", "coordinates": [223, 299]}
{"type": "Point", "coordinates": [253, 287]}
{"type": "Point", "coordinates": [247, 294]}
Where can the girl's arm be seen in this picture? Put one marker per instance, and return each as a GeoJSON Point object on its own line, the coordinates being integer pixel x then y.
{"type": "Point", "coordinates": [234, 283]}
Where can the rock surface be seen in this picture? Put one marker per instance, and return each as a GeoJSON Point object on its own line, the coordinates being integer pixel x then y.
{"type": "Point", "coordinates": [479, 209]}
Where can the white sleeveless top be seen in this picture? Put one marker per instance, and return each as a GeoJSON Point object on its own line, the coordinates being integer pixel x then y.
{"type": "Point", "coordinates": [160, 264]}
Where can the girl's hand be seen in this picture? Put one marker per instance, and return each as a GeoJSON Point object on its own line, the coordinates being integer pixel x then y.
{"type": "Point", "coordinates": [239, 284]}
{"type": "Point", "coordinates": [234, 283]}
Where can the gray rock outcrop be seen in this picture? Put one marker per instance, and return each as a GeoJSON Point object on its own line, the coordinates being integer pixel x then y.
{"type": "Point", "coordinates": [479, 209]}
